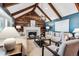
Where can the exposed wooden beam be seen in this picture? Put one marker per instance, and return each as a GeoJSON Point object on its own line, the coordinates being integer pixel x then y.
{"type": "Point", "coordinates": [77, 6]}
{"type": "Point", "coordinates": [35, 6]}
{"type": "Point", "coordinates": [36, 14]}
{"type": "Point", "coordinates": [23, 15]}
{"type": "Point", "coordinates": [43, 13]}
{"type": "Point", "coordinates": [9, 4]}
{"type": "Point", "coordinates": [54, 9]}
{"type": "Point", "coordinates": [22, 10]}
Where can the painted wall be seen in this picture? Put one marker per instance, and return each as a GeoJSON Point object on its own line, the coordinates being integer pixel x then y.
{"type": "Point", "coordinates": [73, 23]}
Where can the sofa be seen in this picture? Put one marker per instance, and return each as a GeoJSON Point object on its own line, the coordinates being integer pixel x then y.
{"type": "Point", "coordinates": [58, 36]}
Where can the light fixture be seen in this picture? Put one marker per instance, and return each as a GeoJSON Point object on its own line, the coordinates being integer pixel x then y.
{"type": "Point", "coordinates": [18, 26]}
{"type": "Point", "coordinates": [9, 34]}
{"type": "Point", "coordinates": [76, 31]}
{"type": "Point", "coordinates": [43, 18]}
{"type": "Point", "coordinates": [47, 27]}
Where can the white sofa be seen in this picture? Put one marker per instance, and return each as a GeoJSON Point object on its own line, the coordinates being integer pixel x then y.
{"type": "Point", "coordinates": [58, 36]}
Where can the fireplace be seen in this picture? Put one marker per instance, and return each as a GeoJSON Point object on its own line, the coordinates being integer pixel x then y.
{"type": "Point", "coordinates": [32, 31]}
{"type": "Point", "coordinates": [32, 35]}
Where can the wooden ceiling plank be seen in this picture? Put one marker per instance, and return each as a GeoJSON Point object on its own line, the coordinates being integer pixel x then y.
{"type": "Point", "coordinates": [22, 10]}
{"type": "Point", "coordinates": [54, 9]}
{"type": "Point", "coordinates": [22, 15]}
{"type": "Point", "coordinates": [43, 12]}
{"type": "Point", "coordinates": [9, 4]}
{"type": "Point", "coordinates": [77, 6]}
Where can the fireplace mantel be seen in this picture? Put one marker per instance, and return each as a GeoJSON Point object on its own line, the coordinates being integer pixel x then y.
{"type": "Point", "coordinates": [32, 29]}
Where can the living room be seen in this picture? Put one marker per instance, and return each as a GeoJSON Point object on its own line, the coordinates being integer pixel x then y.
{"type": "Point", "coordinates": [39, 29]}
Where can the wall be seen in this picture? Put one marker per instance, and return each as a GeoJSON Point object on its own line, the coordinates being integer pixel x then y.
{"type": "Point", "coordinates": [73, 23]}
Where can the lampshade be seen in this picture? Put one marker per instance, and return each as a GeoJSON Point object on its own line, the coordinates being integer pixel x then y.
{"type": "Point", "coordinates": [9, 32]}
{"type": "Point", "coordinates": [76, 30]}
{"type": "Point", "coordinates": [47, 27]}
{"type": "Point", "coordinates": [18, 26]}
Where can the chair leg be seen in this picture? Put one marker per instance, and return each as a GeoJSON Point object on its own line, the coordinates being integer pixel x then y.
{"type": "Point", "coordinates": [42, 50]}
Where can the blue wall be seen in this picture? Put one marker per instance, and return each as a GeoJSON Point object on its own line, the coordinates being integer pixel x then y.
{"type": "Point", "coordinates": [74, 22]}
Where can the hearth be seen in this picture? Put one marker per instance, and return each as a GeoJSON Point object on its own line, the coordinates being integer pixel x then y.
{"type": "Point", "coordinates": [32, 35]}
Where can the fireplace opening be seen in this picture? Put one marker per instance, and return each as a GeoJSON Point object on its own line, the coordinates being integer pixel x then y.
{"type": "Point", "coordinates": [32, 35]}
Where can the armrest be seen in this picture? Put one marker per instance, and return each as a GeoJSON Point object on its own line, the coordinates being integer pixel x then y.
{"type": "Point", "coordinates": [53, 52]}
{"type": "Point", "coordinates": [47, 42]}
{"type": "Point", "coordinates": [57, 43]}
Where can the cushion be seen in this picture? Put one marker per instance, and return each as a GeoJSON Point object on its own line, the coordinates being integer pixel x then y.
{"type": "Point", "coordinates": [61, 49]}
{"type": "Point", "coordinates": [48, 35]}
{"type": "Point", "coordinates": [68, 34]}
{"type": "Point", "coordinates": [57, 34]}
{"type": "Point", "coordinates": [76, 35]}
{"type": "Point", "coordinates": [66, 37]}
{"type": "Point", "coordinates": [56, 39]}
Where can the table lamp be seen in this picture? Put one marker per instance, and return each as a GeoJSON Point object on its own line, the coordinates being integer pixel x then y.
{"type": "Point", "coordinates": [9, 34]}
{"type": "Point", "coordinates": [76, 31]}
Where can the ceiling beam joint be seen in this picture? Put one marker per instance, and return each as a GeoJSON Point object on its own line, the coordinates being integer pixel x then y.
{"type": "Point", "coordinates": [54, 9]}
{"type": "Point", "coordinates": [43, 12]}
{"type": "Point", "coordinates": [35, 6]}
{"type": "Point", "coordinates": [77, 6]}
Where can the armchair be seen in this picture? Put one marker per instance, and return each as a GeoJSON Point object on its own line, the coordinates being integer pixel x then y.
{"type": "Point", "coordinates": [65, 49]}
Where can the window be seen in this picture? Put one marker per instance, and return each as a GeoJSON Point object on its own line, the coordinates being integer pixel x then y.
{"type": "Point", "coordinates": [2, 23]}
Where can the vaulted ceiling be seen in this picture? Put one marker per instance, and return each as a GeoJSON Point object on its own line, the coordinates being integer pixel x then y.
{"type": "Point", "coordinates": [51, 11]}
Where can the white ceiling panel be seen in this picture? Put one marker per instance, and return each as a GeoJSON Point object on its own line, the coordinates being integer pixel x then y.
{"type": "Point", "coordinates": [20, 14]}
{"type": "Point", "coordinates": [47, 20]}
{"type": "Point", "coordinates": [65, 8]}
{"type": "Point", "coordinates": [46, 8]}
{"type": "Point", "coordinates": [40, 14]}
{"type": "Point", "coordinates": [18, 7]}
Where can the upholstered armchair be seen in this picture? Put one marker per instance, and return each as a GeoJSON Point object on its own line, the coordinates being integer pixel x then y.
{"type": "Point", "coordinates": [68, 48]}
{"type": "Point", "coordinates": [49, 35]}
